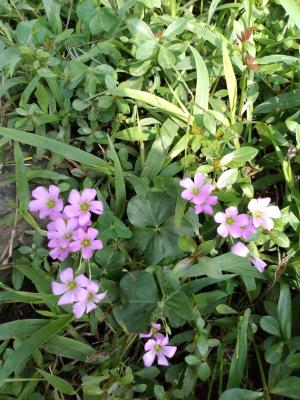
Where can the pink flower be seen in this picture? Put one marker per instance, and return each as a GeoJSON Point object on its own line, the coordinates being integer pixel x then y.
{"type": "Point", "coordinates": [88, 299]}
{"type": "Point", "coordinates": [247, 228]}
{"type": "Point", "coordinates": [195, 191]}
{"type": "Point", "coordinates": [58, 251]}
{"type": "Point", "coordinates": [86, 242]}
{"type": "Point", "coordinates": [230, 222]}
{"type": "Point", "coordinates": [46, 202]}
{"type": "Point", "coordinates": [158, 348]}
{"type": "Point", "coordinates": [241, 250]}
{"type": "Point", "coordinates": [155, 328]}
{"type": "Point", "coordinates": [206, 205]}
{"type": "Point", "coordinates": [258, 263]}
{"type": "Point", "coordinates": [62, 230]}
{"type": "Point", "coordinates": [69, 288]}
{"type": "Point", "coordinates": [82, 205]}
{"type": "Point", "coordinates": [263, 213]}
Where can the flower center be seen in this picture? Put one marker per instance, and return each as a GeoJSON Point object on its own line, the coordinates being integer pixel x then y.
{"type": "Point", "coordinates": [196, 191]}
{"type": "Point", "coordinates": [68, 235]}
{"type": "Point", "coordinates": [51, 203]}
{"type": "Point", "coordinates": [90, 296]}
{"type": "Point", "coordinates": [157, 347]}
{"type": "Point", "coordinates": [229, 220]}
{"type": "Point", "coordinates": [154, 331]}
{"type": "Point", "coordinates": [71, 285]}
{"type": "Point", "coordinates": [257, 213]}
{"type": "Point", "coordinates": [84, 207]}
{"type": "Point", "coordinates": [86, 242]}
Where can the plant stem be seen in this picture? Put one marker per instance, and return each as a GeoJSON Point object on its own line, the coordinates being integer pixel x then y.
{"type": "Point", "coordinates": [243, 90]}
{"type": "Point", "coordinates": [173, 8]}
{"type": "Point", "coordinates": [262, 373]}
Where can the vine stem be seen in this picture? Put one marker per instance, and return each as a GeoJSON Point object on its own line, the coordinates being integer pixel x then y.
{"type": "Point", "coordinates": [243, 90]}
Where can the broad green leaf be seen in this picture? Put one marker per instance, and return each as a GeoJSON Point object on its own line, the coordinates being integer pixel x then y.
{"type": "Point", "coordinates": [270, 324]}
{"type": "Point", "coordinates": [159, 150]}
{"type": "Point", "coordinates": [140, 29]}
{"type": "Point", "coordinates": [293, 10]}
{"type": "Point", "coordinates": [273, 353]}
{"type": "Point", "coordinates": [30, 345]}
{"type": "Point", "coordinates": [239, 358]}
{"type": "Point", "coordinates": [280, 238]}
{"type": "Point", "coordinates": [225, 309]}
{"type": "Point", "coordinates": [57, 147]}
{"type": "Point", "coordinates": [293, 362]}
{"type": "Point", "coordinates": [288, 387]}
{"type": "Point", "coordinates": [69, 348]}
{"type": "Point", "coordinates": [58, 383]}
{"type": "Point", "coordinates": [202, 85]}
{"type": "Point", "coordinates": [284, 311]}
{"type": "Point", "coordinates": [230, 80]}
{"type": "Point", "coordinates": [175, 28]}
{"type": "Point", "coordinates": [241, 394]}
{"type": "Point", "coordinates": [154, 101]}
{"type": "Point", "coordinates": [243, 154]}
{"type": "Point", "coordinates": [227, 178]}
{"type": "Point", "coordinates": [275, 104]}
{"type": "Point", "coordinates": [139, 297]}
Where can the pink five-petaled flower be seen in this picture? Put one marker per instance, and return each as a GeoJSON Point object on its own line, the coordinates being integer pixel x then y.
{"type": "Point", "coordinates": [246, 227]}
{"type": "Point", "coordinates": [155, 328]}
{"type": "Point", "coordinates": [62, 230]}
{"type": "Point", "coordinates": [262, 213]}
{"type": "Point", "coordinates": [159, 348]}
{"type": "Point", "coordinates": [86, 242]}
{"type": "Point", "coordinates": [195, 191]}
{"type": "Point", "coordinates": [58, 251]}
{"type": "Point", "coordinates": [88, 299]}
{"type": "Point", "coordinates": [206, 205]}
{"type": "Point", "coordinates": [46, 202]}
{"type": "Point", "coordinates": [82, 205]}
{"type": "Point", "coordinates": [241, 250]}
{"type": "Point", "coordinates": [230, 222]}
{"type": "Point", "coordinates": [69, 288]}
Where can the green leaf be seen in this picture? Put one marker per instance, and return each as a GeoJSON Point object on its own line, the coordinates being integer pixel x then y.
{"type": "Point", "coordinates": [58, 383]}
{"type": "Point", "coordinates": [21, 178]}
{"type": "Point", "coordinates": [293, 10]}
{"type": "Point", "coordinates": [30, 345]}
{"type": "Point", "coordinates": [80, 105]}
{"type": "Point", "coordinates": [225, 309]}
{"type": "Point", "coordinates": [202, 85]}
{"type": "Point", "coordinates": [120, 188]}
{"type": "Point", "coordinates": [273, 353]}
{"type": "Point", "coordinates": [284, 311]}
{"type": "Point", "coordinates": [21, 328]}
{"type": "Point", "coordinates": [175, 28]}
{"type": "Point", "coordinates": [146, 50]}
{"type": "Point", "coordinates": [279, 238]}
{"type": "Point", "coordinates": [288, 387]}
{"type": "Point", "coordinates": [239, 358]}
{"type": "Point", "coordinates": [270, 324]}
{"type": "Point", "coordinates": [227, 178]}
{"type": "Point", "coordinates": [230, 80]}
{"type": "Point", "coordinates": [155, 101]}
{"type": "Point", "coordinates": [243, 154]}
{"type": "Point", "coordinates": [159, 150]}
{"type": "Point", "coordinates": [293, 362]}
{"type": "Point", "coordinates": [139, 296]}
{"type": "Point", "coordinates": [276, 104]}
{"type": "Point", "coordinates": [57, 147]}
{"type": "Point", "coordinates": [69, 348]}
{"type": "Point", "coordinates": [140, 29]}
{"type": "Point", "coordinates": [203, 371]}
{"type": "Point", "coordinates": [240, 394]}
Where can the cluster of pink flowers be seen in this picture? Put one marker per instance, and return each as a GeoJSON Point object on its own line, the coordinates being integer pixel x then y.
{"type": "Point", "coordinates": [232, 223]}
{"type": "Point", "coordinates": [70, 227]}
{"type": "Point", "coordinates": [79, 291]}
{"type": "Point", "coordinates": [199, 193]}
{"type": "Point", "coordinates": [157, 346]}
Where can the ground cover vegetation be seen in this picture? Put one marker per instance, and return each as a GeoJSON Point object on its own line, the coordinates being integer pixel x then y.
{"type": "Point", "coordinates": [154, 149]}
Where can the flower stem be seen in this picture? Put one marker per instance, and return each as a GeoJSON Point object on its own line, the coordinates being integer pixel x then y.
{"type": "Point", "coordinates": [262, 373]}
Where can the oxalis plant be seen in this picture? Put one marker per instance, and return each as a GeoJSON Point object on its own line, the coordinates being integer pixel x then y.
{"type": "Point", "coordinates": [152, 248]}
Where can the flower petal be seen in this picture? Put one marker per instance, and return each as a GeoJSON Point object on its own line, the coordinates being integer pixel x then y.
{"type": "Point", "coordinates": [67, 298]}
{"type": "Point", "coordinates": [187, 183]}
{"type": "Point", "coordinates": [161, 360]}
{"type": "Point", "coordinates": [58, 288]}
{"type": "Point", "coordinates": [66, 275]}
{"type": "Point", "coordinates": [223, 230]}
{"type": "Point", "coordinates": [74, 197]}
{"type": "Point", "coordinates": [88, 195]}
{"type": "Point", "coordinates": [262, 203]}
{"type": "Point", "coordinates": [258, 263]}
{"type": "Point", "coordinates": [78, 309]}
{"type": "Point", "coordinates": [273, 212]}
{"type": "Point", "coordinates": [149, 358]}
{"type": "Point", "coordinates": [253, 205]}
{"type": "Point", "coordinates": [199, 179]}
{"type": "Point", "coordinates": [169, 351]}
{"type": "Point", "coordinates": [90, 306]}
{"type": "Point", "coordinates": [150, 344]}
{"type": "Point", "coordinates": [240, 249]}
{"type": "Point", "coordinates": [84, 218]}
{"type": "Point", "coordinates": [40, 193]}
{"type": "Point", "coordinates": [220, 217]}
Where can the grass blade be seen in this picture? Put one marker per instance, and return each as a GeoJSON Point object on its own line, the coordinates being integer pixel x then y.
{"type": "Point", "coordinates": [202, 86]}
{"type": "Point", "coordinates": [57, 147]}
{"type": "Point", "coordinates": [21, 178]}
{"type": "Point", "coordinates": [30, 345]}
{"type": "Point", "coordinates": [230, 81]}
